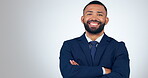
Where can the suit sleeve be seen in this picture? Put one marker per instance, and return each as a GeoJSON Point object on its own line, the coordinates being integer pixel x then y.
{"type": "Point", "coordinates": [74, 71]}
{"type": "Point", "coordinates": [120, 68]}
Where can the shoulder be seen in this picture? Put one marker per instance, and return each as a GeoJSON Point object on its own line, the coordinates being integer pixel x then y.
{"type": "Point", "coordinates": [114, 41]}
{"type": "Point", "coordinates": [119, 46]}
{"type": "Point", "coordinates": [71, 41]}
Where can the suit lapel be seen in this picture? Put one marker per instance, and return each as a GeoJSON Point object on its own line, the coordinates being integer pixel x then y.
{"type": "Point", "coordinates": [101, 48]}
{"type": "Point", "coordinates": [85, 47]}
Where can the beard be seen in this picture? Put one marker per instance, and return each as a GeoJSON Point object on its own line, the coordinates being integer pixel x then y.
{"type": "Point", "coordinates": [94, 30]}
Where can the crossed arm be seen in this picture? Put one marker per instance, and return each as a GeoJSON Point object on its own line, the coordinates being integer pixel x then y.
{"type": "Point", "coordinates": [107, 71]}
{"type": "Point", "coordinates": [71, 69]}
{"type": "Point", "coordinates": [74, 70]}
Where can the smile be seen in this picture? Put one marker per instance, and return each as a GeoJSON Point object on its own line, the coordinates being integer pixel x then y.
{"type": "Point", "coordinates": [93, 24]}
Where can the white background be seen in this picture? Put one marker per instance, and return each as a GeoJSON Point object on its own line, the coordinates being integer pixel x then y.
{"type": "Point", "coordinates": [32, 33]}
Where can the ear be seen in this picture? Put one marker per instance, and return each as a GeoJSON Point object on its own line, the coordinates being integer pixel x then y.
{"type": "Point", "coordinates": [106, 20]}
{"type": "Point", "coordinates": [82, 19]}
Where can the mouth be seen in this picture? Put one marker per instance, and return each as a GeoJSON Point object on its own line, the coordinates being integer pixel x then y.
{"type": "Point", "coordinates": [93, 24]}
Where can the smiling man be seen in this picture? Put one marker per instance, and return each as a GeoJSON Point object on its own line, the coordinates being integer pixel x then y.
{"type": "Point", "coordinates": [94, 54]}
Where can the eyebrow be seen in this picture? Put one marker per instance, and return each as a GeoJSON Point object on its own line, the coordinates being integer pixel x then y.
{"type": "Point", "coordinates": [89, 11]}
{"type": "Point", "coordinates": [99, 12]}
{"type": "Point", "coordinates": [92, 11]}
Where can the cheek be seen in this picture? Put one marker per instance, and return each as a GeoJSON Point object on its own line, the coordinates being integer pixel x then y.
{"type": "Point", "coordinates": [102, 20]}
{"type": "Point", "coordinates": [85, 20]}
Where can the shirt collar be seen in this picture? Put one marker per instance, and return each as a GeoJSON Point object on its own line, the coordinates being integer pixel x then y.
{"type": "Point", "coordinates": [98, 39]}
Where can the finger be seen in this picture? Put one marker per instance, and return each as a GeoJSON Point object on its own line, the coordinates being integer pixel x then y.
{"type": "Point", "coordinates": [75, 63]}
{"type": "Point", "coordinates": [71, 62]}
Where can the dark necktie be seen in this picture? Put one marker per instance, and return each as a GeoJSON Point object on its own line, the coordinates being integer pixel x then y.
{"type": "Point", "coordinates": [93, 48]}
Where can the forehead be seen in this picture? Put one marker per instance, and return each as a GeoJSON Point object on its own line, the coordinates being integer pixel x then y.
{"type": "Point", "coordinates": [95, 7]}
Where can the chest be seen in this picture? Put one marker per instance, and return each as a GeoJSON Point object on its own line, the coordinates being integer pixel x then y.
{"type": "Point", "coordinates": [104, 56]}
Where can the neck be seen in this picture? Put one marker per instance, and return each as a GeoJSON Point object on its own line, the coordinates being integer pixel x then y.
{"type": "Point", "coordinates": [93, 37]}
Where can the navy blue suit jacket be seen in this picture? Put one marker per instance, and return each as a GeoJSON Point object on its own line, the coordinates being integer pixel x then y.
{"type": "Point", "coordinates": [110, 54]}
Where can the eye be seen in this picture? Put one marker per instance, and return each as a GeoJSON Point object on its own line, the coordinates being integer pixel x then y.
{"type": "Point", "coordinates": [100, 14]}
{"type": "Point", "coordinates": [89, 14]}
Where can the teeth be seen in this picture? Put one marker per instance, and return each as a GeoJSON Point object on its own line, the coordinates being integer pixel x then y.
{"type": "Point", "coordinates": [94, 23]}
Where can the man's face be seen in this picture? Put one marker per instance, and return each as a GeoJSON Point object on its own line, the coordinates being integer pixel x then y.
{"type": "Point", "coordinates": [94, 18]}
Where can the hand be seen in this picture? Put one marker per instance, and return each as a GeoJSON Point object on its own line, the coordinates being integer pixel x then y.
{"type": "Point", "coordinates": [107, 71]}
{"type": "Point", "coordinates": [72, 62]}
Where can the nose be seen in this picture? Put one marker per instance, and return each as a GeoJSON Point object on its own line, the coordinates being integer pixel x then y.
{"type": "Point", "coordinates": [94, 17]}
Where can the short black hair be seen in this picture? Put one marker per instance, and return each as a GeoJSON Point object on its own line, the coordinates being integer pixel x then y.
{"type": "Point", "coordinates": [95, 2]}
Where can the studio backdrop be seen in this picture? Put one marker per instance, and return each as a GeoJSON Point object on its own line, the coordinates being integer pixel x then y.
{"type": "Point", "coordinates": [33, 31]}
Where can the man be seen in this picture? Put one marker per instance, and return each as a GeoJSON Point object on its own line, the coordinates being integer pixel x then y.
{"type": "Point", "coordinates": [94, 54]}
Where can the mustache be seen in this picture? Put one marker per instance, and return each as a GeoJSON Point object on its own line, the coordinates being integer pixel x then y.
{"type": "Point", "coordinates": [94, 21]}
